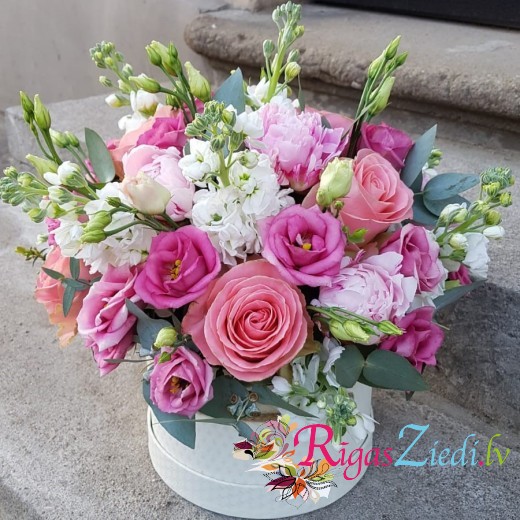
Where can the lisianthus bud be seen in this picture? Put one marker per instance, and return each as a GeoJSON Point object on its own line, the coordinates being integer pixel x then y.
{"type": "Point", "coordinates": [41, 114]}
{"type": "Point", "coordinates": [27, 106]}
{"type": "Point", "coordinates": [93, 237]}
{"type": "Point", "coordinates": [291, 71]}
{"type": "Point", "coordinates": [494, 232]}
{"type": "Point", "coordinates": [166, 338]}
{"type": "Point", "coordinates": [401, 59]}
{"type": "Point", "coordinates": [492, 217]}
{"type": "Point", "coordinates": [199, 85]}
{"type": "Point", "coordinates": [146, 194]}
{"type": "Point", "coordinates": [98, 221]}
{"type": "Point", "coordinates": [42, 165]}
{"type": "Point", "coordinates": [73, 140]}
{"type": "Point", "coordinates": [387, 327]}
{"type": "Point", "coordinates": [349, 330]}
{"type": "Point", "coordinates": [146, 83]}
{"type": "Point", "coordinates": [381, 100]}
{"type": "Point", "coordinates": [153, 56]}
{"type": "Point", "coordinates": [458, 241]}
{"type": "Point", "coordinates": [375, 65]}
{"type": "Point", "coordinates": [391, 50]}
{"type": "Point", "coordinates": [59, 139]}
{"type": "Point", "coordinates": [335, 182]}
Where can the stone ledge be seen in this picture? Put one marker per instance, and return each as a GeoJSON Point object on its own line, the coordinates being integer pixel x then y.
{"type": "Point", "coordinates": [458, 67]}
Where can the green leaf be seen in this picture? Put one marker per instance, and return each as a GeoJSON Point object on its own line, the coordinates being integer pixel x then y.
{"type": "Point", "coordinates": [244, 430]}
{"type": "Point", "coordinates": [147, 328]}
{"type": "Point", "coordinates": [421, 214]}
{"type": "Point", "coordinates": [349, 366]}
{"type": "Point", "coordinates": [178, 426]}
{"type": "Point", "coordinates": [267, 396]}
{"type": "Point", "coordinates": [99, 156]}
{"type": "Point", "coordinates": [452, 295]}
{"type": "Point", "coordinates": [390, 370]}
{"type": "Point", "coordinates": [74, 267]}
{"type": "Point", "coordinates": [449, 184]}
{"type": "Point", "coordinates": [223, 388]}
{"type": "Point", "coordinates": [417, 158]}
{"type": "Point", "coordinates": [76, 284]}
{"type": "Point", "coordinates": [436, 206]}
{"type": "Point", "coordinates": [53, 274]}
{"type": "Point", "coordinates": [68, 297]}
{"type": "Point", "coordinates": [231, 92]}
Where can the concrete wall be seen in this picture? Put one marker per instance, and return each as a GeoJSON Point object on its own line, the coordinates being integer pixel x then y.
{"type": "Point", "coordinates": [44, 43]}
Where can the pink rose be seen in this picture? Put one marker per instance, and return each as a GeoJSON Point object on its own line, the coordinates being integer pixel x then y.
{"type": "Point", "coordinates": [377, 198]}
{"type": "Point", "coordinates": [49, 292]}
{"type": "Point", "coordinates": [119, 351]}
{"type": "Point", "coordinates": [179, 268]}
{"type": "Point", "coordinates": [390, 143]}
{"type": "Point", "coordinates": [420, 253]}
{"type": "Point", "coordinates": [250, 321]}
{"type": "Point", "coordinates": [374, 288]}
{"type": "Point", "coordinates": [104, 320]}
{"type": "Point", "coordinates": [181, 385]}
{"type": "Point", "coordinates": [421, 340]}
{"type": "Point", "coordinates": [163, 167]}
{"type": "Point", "coordinates": [298, 145]}
{"type": "Point", "coordinates": [306, 245]}
{"type": "Point", "coordinates": [462, 275]}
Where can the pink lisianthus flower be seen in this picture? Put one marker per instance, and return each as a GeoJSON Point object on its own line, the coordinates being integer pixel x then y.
{"type": "Point", "coordinates": [305, 245]}
{"type": "Point", "coordinates": [374, 288]}
{"type": "Point", "coordinates": [421, 339]}
{"type": "Point", "coordinates": [298, 145]}
{"type": "Point", "coordinates": [250, 321]}
{"type": "Point", "coordinates": [163, 167]}
{"type": "Point", "coordinates": [182, 384]}
{"type": "Point", "coordinates": [420, 253]}
{"type": "Point", "coordinates": [49, 292]}
{"type": "Point", "coordinates": [389, 142]}
{"type": "Point", "coordinates": [104, 320]}
{"type": "Point", "coordinates": [119, 351]}
{"type": "Point", "coordinates": [179, 268]}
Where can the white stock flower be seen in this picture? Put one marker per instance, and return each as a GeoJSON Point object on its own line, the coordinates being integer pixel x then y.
{"type": "Point", "coordinates": [142, 101]}
{"type": "Point", "coordinates": [494, 232]}
{"type": "Point", "coordinates": [250, 123]}
{"type": "Point", "coordinates": [330, 352]}
{"type": "Point", "coordinates": [477, 258]}
{"type": "Point", "coordinates": [131, 122]}
{"type": "Point", "coordinates": [200, 162]}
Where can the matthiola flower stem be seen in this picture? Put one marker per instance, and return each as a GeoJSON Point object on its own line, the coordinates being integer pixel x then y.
{"type": "Point", "coordinates": [50, 144]}
{"type": "Point", "coordinates": [88, 175]}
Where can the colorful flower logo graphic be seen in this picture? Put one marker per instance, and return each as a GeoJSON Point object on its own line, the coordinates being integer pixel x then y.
{"type": "Point", "coordinates": [268, 447]}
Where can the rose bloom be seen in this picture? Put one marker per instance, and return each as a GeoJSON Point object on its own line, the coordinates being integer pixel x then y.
{"type": "Point", "coordinates": [298, 145]}
{"type": "Point", "coordinates": [306, 245]}
{"type": "Point", "coordinates": [163, 167]}
{"type": "Point", "coordinates": [104, 320]}
{"type": "Point", "coordinates": [421, 339]}
{"type": "Point", "coordinates": [420, 253]}
{"type": "Point", "coordinates": [377, 198]}
{"type": "Point", "coordinates": [179, 268]}
{"type": "Point", "coordinates": [49, 292]}
{"type": "Point", "coordinates": [390, 143]}
{"type": "Point", "coordinates": [250, 321]}
{"type": "Point", "coordinates": [181, 385]}
{"type": "Point", "coordinates": [374, 288]}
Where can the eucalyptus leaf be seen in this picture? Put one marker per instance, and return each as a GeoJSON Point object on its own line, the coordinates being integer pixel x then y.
{"type": "Point", "coordinates": [387, 369]}
{"type": "Point", "coordinates": [436, 206]}
{"type": "Point", "coordinates": [178, 426]}
{"type": "Point", "coordinates": [231, 92]}
{"type": "Point", "coordinates": [449, 184]}
{"type": "Point", "coordinates": [348, 366]}
{"type": "Point", "coordinates": [417, 158]}
{"type": "Point", "coordinates": [244, 430]}
{"type": "Point", "coordinates": [266, 396]}
{"type": "Point", "coordinates": [68, 297]}
{"type": "Point", "coordinates": [76, 284]}
{"type": "Point", "coordinates": [74, 267]}
{"type": "Point", "coordinates": [147, 328]}
{"type": "Point", "coordinates": [99, 156]}
{"type": "Point", "coordinates": [421, 214]}
{"type": "Point", "coordinates": [223, 388]}
{"type": "Point", "coordinates": [452, 295]}
{"type": "Point", "coordinates": [53, 274]}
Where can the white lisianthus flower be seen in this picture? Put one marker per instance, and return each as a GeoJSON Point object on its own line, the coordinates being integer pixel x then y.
{"type": "Point", "coordinates": [477, 258]}
{"type": "Point", "coordinates": [200, 162]}
{"type": "Point", "coordinates": [364, 425]}
{"type": "Point", "coordinates": [494, 232]}
{"type": "Point", "coordinates": [144, 102]}
{"type": "Point", "coordinates": [146, 194]}
{"type": "Point", "coordinates": [131, 122]}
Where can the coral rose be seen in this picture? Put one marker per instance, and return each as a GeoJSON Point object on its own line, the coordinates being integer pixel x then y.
{"type": "Point", "coordinates": [250, 321]}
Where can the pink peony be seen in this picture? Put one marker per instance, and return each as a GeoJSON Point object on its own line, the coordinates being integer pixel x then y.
{"type": "Point", "coordinates": [49, 292]}
{"type": "Point", "coordinates": [306, 245]}
{"type": "Point", "coordinates": [163, 167]}
{"type": "Point", "coordinates": [250, 321]}
{"type": "Point", "coordinates": [421, 340]}
{"type": "Point", "coordinates": [374, 288]}
{"type": "Point", "coordinates": [298, 145]}
{"type": "Point", "coordinates": [104, 320]}
{"type": "Point", "coordinates": [181, 385]}
{"type": "Point", "coordinates": [179, 268]}
{"type": "Point", "coordinates": [377, 198]}
{"type": "Point", "coordinates": [462, 275]}
{"type": "Point", "coordinates": [420, 256]}
{"type": "Point", "coordinates": [390, 143]}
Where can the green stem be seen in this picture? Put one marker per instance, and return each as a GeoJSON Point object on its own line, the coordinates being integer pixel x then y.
{"type": "Point", "coordinates": [170, 221]}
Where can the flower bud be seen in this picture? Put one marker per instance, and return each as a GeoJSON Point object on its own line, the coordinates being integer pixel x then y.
{"type": "Point", "coordinates": [494, 232]}
{"type": "Point", "coordinates": [294, 55]}
{"type": "Point", "coordinates": [453, 213]}
{"type": "Point", "coordinates": [292, 70]}
{"type": "Point", "coordinates": [146, 194]}
{"type": "Point", "coordinates": [218, 142]}
{"type": "Point", "coordinates": [349, 330]}
{"type": "Point", "coordinates": [383, 95]}
{"type": "Point", "coordinates": [229, 117]}
{"type": "Point", "coordinates": [146, 83]}
{"type": "Point", "coordinates": [115, 101]}
{"type": "Point", "coordinates": [106, 82]}
{"type": "Point", "coordinates": [492, 217]}
{"type": "Point", "coordinates": [59, 195]}
{"type": "Point", "coordinates": [54, 210]}
{"type": "Point", "coordinates": [458, 241]}
{"type": "Point", "coordinates": [59, 139]}
{"type": "Point", "coordinates": [37, 214]}
{"type": "Point", "coordinates": [401, 59]}
{"type": "Point", "coordinates": [153, 56]}
{"type": "Point", "coordinates": [391, 50]}
{"type": "Point", "coordinates": [387, 327]}
{"type": "Point", "coordinates": [199, 85]}
{"type": "Point", "coordinates": [375, 66]}
{"type": "Point", "coordinates": [478, 208]}
{"type": "Point", "coordinates": [249, 159]}
{"type": "Point", "coordinates": [41, 114]}
{"type": "Point", "coordinates": [27, 106]}
{"type": "Point", "coordinates": [73, 140]}
{"type": "Point", "coordinates": [335, 182]}
{"type": "Point", "coordinates": [98, 221]}
{"type": "Point", "coordinates": [42, 165]}
{"type": "Point", "coordinates": [506, 199]}
{"type": "Point", "coordinates": [70, 175]}
{"type": "Point", "coordinates": [166, 338]}
{"type": "Point", "coordinates": [492, 189]}
{"type": "Point", "coordinates": [268, 48]}
{"type": "Point", "coordinates": [93, 237]}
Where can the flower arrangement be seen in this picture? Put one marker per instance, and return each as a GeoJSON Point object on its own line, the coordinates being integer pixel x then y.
{"type": "Point", "coordinates": [257, 251]}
